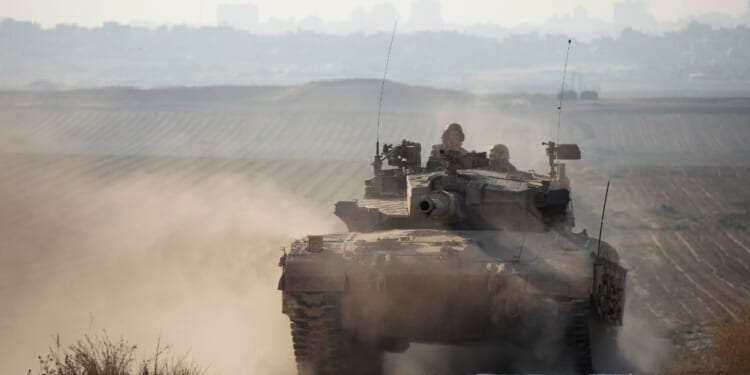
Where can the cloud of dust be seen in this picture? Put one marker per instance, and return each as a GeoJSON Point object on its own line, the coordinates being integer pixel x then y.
{"type": "Point", "coordinates": [636, 348]}
{"type": "Point", "coordinates": [152, 256]}
{"type": "Point", "coordinates": [640, 346]}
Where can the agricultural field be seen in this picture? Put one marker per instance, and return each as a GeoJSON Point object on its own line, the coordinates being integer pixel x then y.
{"type": "Point", "coordinates": [162, 213]}
{"type": "Point", "coordinates": [682, 233]}
{"type": "Point", "coordinates": [337, 121]}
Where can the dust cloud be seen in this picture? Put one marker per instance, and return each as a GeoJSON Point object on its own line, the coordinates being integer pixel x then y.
{"type": "Point", "coordinates": [637, 346]}
{"type": "Point", "coordinates": [149, 256]}
{"type": "Point", "coordinates": [641, 347]}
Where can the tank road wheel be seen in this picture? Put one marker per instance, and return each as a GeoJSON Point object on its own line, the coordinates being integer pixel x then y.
{"type": "Point", "coordinates": [578, 337]}
{"type": "Point", "coordinates": [320, 345]}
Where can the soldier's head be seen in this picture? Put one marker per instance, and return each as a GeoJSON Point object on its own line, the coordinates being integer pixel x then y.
{"type": "Point", "coordinates": [499, 152]}
{"type": "Point", "coordinates": [453, 136]}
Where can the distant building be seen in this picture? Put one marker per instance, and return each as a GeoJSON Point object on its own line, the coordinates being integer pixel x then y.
{"type": "Point", "coordinates": [426, 15]}
{"type": "Point", "coordinates": [380, 18]}
{"type": "Point", "coordinates": [311, 23]}
{"type": "Point", "coordinates": [633, 14]}
{"type": "Point", "coordinates": [237, 16]}
{"type": "Point", "coordinates": [579, 24]}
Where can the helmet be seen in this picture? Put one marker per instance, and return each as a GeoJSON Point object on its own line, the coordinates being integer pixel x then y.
{"type": "Point", "coordinates": [453, 127]}
{"type": "Point", "coordinates": [499, 151]}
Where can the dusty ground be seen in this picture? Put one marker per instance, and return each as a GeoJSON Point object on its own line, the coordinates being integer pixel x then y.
{"type": "Point", "coordinates": [150, 218]}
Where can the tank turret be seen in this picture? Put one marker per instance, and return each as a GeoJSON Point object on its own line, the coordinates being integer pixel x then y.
{"type": "Point", "coordinates": [464, 198]}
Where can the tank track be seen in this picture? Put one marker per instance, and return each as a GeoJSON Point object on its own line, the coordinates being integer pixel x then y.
{"type": "Point", "coordinates": [578, 337]}
{"type": "Point", "coordinates": [321, 346]}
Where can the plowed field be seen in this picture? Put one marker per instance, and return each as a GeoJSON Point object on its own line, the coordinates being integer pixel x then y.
{"type": "Point", "coordinates": [145, 216]}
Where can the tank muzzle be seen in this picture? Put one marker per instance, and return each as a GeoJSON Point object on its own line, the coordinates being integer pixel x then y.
{"type": "Point", "coordinates": [426, 206]}
{"type": "Point", "coordinates": [439, 205]}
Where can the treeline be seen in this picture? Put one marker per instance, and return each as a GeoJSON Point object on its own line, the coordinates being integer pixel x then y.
{"type": "Point", "coordinates": [116, 54]}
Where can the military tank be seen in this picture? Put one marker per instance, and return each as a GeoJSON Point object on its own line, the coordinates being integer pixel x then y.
{"type": "Point", "coordinates": [454, 255]}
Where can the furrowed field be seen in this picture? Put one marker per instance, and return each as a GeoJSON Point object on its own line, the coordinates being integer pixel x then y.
{"type": "Point", "coordinates": [163, 212]}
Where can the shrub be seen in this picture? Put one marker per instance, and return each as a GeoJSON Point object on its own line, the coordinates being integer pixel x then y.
{"type": "Point", "coordinates": [102, 356]}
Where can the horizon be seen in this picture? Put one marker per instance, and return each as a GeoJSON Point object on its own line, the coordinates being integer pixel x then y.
{"type": "Point", "coordinates": [46, 88]}
{"type": "Point", "coordinates": [635, 52]}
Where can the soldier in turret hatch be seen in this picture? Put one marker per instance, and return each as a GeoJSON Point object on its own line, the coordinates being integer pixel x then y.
{"type": "Point", "coordinates": [453, 139]}
{"type": "Point", "coordinates": [500, 159]}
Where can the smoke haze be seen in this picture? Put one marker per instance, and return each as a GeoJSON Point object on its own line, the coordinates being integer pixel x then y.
{"type": "Point", "coordinates": [147, 256]}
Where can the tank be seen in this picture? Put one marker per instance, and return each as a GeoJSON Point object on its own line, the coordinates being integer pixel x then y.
{"type": "Point", "coordinates": [458, 254]}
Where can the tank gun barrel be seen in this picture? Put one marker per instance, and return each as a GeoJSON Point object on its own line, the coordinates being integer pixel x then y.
{"type": "Point", "coordinates": [441, 205]}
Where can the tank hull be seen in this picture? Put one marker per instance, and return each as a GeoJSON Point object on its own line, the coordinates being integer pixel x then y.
{"type": "Point", "coordinates": [524, 293]}
{"type": "Point", "coordinates": [448, 287]}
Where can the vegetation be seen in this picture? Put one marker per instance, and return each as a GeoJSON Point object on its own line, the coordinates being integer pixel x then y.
{"type": "Point", "coordinates": [101, 356]}
{"type": "Point", "coordinates": [732, 344]}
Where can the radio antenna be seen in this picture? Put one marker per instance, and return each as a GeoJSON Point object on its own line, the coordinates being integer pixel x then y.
{"type": "Point", "coordinates": [601, 224]}
{"type": "Point", "coordinates": [562, 91]}
{"type": "Point", "coordinates": [382, 86]}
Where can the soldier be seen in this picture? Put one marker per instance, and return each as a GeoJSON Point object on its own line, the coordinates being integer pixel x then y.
{"type": "Point", "coordinates": [500, 159]}
{"type": "Point", "coordinates": [453, 138]}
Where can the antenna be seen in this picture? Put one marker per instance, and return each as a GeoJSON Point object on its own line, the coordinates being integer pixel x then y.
{"type": "Point", "coordinates": [382, 86]}
{"type": "Point", "coordinates": [601, 224]}
{"type": "Point", "coordinates": [520, 250]}
{"type": "Point", "coordinates": [562, 91]}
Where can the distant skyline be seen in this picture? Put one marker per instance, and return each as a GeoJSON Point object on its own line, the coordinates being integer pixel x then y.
{"type": "Point", "coordinates": [453, 13]}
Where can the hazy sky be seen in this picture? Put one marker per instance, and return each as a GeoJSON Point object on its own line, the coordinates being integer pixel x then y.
{"type": "Point", "coordinates": [505, 12]}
